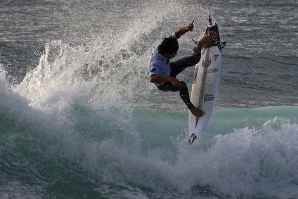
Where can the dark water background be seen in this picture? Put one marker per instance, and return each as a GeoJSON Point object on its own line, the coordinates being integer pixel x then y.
{"type": "Point", "coordinates": [79, 118]}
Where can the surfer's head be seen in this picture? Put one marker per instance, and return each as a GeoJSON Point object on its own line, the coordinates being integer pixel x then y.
{"type": "Point", "coordinates": [169, 47]}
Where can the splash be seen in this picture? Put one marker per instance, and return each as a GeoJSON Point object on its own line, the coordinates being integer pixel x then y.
{"type": "Point", "coordinates": [109, 70]}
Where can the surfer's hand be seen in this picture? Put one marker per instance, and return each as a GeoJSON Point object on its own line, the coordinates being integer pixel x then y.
{"type": "Point", "coordinates": [176, 82]}
{"type": "Point", "coordinates": [190, 26]}
{"type": "Point", "coordinates": [185, 29]}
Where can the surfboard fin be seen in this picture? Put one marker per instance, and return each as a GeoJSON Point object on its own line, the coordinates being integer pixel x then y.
{"type": "Point", "coordinates": [210, 20]}
{"type": "Point", "coordinates": [192, 139]}
{"type": "Point", "coordinates": [224, 44]}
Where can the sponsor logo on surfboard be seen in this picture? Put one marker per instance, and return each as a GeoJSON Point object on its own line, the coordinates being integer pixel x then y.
{"type": "Point", "coordinates": [208, 97]}
{"type": "Point", "coordinates": [215, 57]}
{"type": "Point", "coordinates": [213, 70]}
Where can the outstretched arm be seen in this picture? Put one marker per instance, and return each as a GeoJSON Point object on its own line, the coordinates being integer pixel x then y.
{"type": "Point", "coordinates": [185, 29]}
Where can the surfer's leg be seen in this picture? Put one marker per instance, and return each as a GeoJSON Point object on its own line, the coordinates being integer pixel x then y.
{"type": "Point", "coordinates": [184, 96]}
{"type": "Point", "coordinates": [168, 86]}
{"type": "Point", "coordinates": [181, 64]}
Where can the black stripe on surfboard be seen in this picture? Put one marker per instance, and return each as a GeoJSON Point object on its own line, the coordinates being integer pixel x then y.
{"type": "Point", "coordinates": [206, 63]}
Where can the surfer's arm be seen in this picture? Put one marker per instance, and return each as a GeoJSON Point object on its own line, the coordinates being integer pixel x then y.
{"type": "Point", "coordinates": [184, 29]}
{"type": "Point", "coordinates": [161, 79]}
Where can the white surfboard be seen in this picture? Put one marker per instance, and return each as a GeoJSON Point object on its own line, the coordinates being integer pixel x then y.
{"type": "Point", "coordinates": [205, 84]}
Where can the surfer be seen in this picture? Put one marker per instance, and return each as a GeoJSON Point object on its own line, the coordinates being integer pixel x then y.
{"type": "Point", "coordinates": [163, 72]}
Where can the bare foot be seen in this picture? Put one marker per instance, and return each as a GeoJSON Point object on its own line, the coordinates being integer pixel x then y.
{"type": "Point", "coordinates": [196, 111]}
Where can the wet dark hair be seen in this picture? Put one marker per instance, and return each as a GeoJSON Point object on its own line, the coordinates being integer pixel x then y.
{"type": "Point", "coordinates": [168, 45]}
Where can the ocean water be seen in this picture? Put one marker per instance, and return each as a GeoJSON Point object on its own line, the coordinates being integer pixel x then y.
{"type": "Point", "coordinates": [79, 118]}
